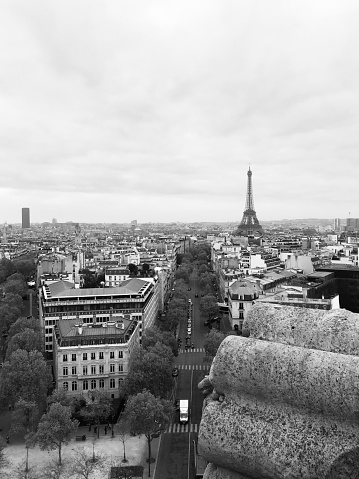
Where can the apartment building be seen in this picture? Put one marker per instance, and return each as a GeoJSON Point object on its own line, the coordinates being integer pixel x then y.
{"type": "Point", "coordinates": [61, 301]}
{"type": "Point", "coordinates": [94, 356]}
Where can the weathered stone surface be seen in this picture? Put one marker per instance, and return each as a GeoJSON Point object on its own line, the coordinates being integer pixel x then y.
{"type": "Point", "coordinates": [308, 378]}
{"type": "Point", "coordinates": [284, 411]}
{"type": "Point", "coordinates": [216, 472]}
{"type": "Point", "coordinates": [336, 330]}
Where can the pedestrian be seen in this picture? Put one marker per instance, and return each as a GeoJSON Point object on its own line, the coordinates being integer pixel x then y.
{"type": "Point", "coordinates": [7, 439]}
{"type": "Point", "coordinates": [105, 430]}
{"type": "Point", "coordinates": [89, 427]}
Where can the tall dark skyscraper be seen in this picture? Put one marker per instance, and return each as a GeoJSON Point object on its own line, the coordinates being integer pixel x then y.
{"type": "Point", "coordinates": [26, 217]}
{"type": "Point", "coordinates": [249, 225]}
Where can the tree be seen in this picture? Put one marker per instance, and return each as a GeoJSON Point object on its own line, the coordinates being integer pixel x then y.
{"type": "Point", "coordinates": [25, 375]}
{"type": "Point", "coordinates": [98, 408]}
{"type": "Point", "coordinates": [22, 323]}
{"type": "Point", "coordinates": [152, 336]}
{"type": "Point", "coordinates": [60, 396]}
{"type": "Point", "coordinates": [26, 267]}
{"type": "Point", "coordinates": [12, 300]}
{"type": "Point", "coordinates": [24, 417]}
{"type": "Point", "coordinates": [123, 432]}
{"type": "Point", "coordinates": [202, 269]}
{"type": "Point", "coordinates": [55, 428]}
{"type": "Point", "coordinates": [208, 306]}
{"type": "Point", "coordinates": [8, 315]}
{"type": "Point", "coordinates": [133, 269]}
{"type": "Point", "coordinates": [6, 269]}
{"type": "Point", "coordinates": [148, 415]}
{"type": "Point", "coordinates": [183, 273]}
{"type": "Point", "coordinates": [15, 286]}
{"type": "Point", "coordinates": [152, 370]}
{"type": "Point", "coordinates": [212, 342]}
{"type": "Point", "coordinates": [145, 268]}
{"type": "Point", "coordinates": [83, 465]}
{"type": "Point", "coordinates": [28, 340]}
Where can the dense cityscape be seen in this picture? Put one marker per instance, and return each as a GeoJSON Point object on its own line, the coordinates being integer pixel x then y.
{"type": "Point", "coordinates": [107, 329]}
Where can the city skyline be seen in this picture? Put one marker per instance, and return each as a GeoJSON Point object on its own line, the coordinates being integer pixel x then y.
{"type": "Point", "coordinates": [154, 110]}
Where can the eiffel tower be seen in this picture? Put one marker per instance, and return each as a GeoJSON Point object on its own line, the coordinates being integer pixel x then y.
{"type": "Point", "coordinates": [249, 224]}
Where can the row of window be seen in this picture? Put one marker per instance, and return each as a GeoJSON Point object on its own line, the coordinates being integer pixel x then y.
{"type": "Point", "coordinates": [92, 384]}
{"type": "Point", "coordinates": [93, 369]}
{"type": "Point", "coordinates": [85, 356]}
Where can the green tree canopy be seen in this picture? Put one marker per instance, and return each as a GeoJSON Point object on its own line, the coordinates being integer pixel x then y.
{"type": "Point", "coordinates": [98, 408]}
{"type": "Point", "coordinates": [55, 428]}
{"type": "Point", "coordinates": [202, 269]}
{"type": "Point", "coordinates": [15, 286]}
{"type": "Point", "coordinates": [6, 269]}
{"type": "Point", "coordinates": [27, 340]}
{"type": "Point", "coordinates": [212, 342]}
{"type": "Point", "coordinates": [23, 323]}
{"type": "Point", "coordinates": [24, 416]}
{"type": "Point", "coordinates": [148, 415]}
{"type": "Point", "coordinates": [26, 267]}
{"type": "Point", "coordinates": [152, 336]}
{"type": "Point", "coordinates": [208, 306]}
{"type": "Point", "coordinates": [152, 370]}
{"type": "Point", "coordinates": [25, 375]}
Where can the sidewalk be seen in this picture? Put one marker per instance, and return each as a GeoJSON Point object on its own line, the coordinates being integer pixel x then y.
{"type": "Point", "coordinates": [106, 445]}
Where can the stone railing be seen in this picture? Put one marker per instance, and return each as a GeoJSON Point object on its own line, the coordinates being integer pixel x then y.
{"type": "Point", "coordinates": [284, 405]}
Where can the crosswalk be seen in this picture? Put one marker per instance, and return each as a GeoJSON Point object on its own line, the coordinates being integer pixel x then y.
{"type": "Point", "coordinates": [175, 428]}
{"type": "Point", "coordinates": [194, 367]}
{"type": "Point", "coordinates": [190, 350]}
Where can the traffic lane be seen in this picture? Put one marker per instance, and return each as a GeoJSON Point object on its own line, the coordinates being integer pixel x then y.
{"type": "Point", "coordinates": [172, 459]}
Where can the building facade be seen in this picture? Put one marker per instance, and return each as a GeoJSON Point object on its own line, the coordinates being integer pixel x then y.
{"type": "Point", "coordinates": [25, 216]}
{"type": "Point", "coordinates": [61, 301]}
{"type": "Point", "coordinates": [93, 356]}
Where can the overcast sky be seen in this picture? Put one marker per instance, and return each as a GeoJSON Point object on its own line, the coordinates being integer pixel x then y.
{"type": "Point", "coordinates": [153, 110]}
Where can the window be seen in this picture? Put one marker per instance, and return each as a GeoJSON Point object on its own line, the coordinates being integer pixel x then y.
{"type": "Point", "coordinates": [65, 371]}
{"type": "Point", "coordinates": [85, 385]}
{"type": "Point", "coordinates": [93, 369]}
{"type": "Point", "coordinates": [112, 354]}
{"type": "Point", "coordinates": [65, 386]}
{"type": "Point", "coordinates": [73, 357]}
{"type": "Point", "coordinates": [120, 368]}
{"type": "Point", "coordinates": [74, 385]}
{"type": "Point", "coordinates": [84, 356]}
{"type": "Point", "coordinates": [74, 370]}
{"type": "Point", "coordinates": [240, 305]}
{"type": "Point", "coordinates": [64, 357]}
{"type": "Point", "coordinates": [120, 354]}
{"type": "Point", "coordinates": [93, 383]}
{"type": "Point", "coordinates": [101, 369]}
{"type": "Point", "coordinates": [101, 383]}
{"type": "Point", "coordinates": [112, 368]}
{"type": "Point", "coordinates": [100, 355]}
{"type": "Point", "coordinates": [84, 370]}
{"type": "Point", "coordinates": [93, 356]}
{"type": "Point", "coordinates": [112, 383]}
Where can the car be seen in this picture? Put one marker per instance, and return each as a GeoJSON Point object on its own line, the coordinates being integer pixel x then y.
{"type": "Point", "coordinates": [189, 331]}
{"type": "Point", "coordinates": [196, 295]}
{"type": "Point", "coordinates": [189, 289]}
{"type": "Point", "coordinates": [202, 294]}
{"type": "Point", "coordinates": [175, 372]}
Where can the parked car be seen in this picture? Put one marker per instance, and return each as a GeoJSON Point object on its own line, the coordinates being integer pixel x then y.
{"type": "Point", "coordinates": [189, 289]}
{"type": "Point", "coordinates": [196, 295]}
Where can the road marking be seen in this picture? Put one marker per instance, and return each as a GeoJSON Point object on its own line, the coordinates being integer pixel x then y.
{"type": "Point", "coordinates": [194, 367]}
{"type": "Point", "coordinates": [195, 350]}
{"type": "Point", "coordinates": [178, 428]}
